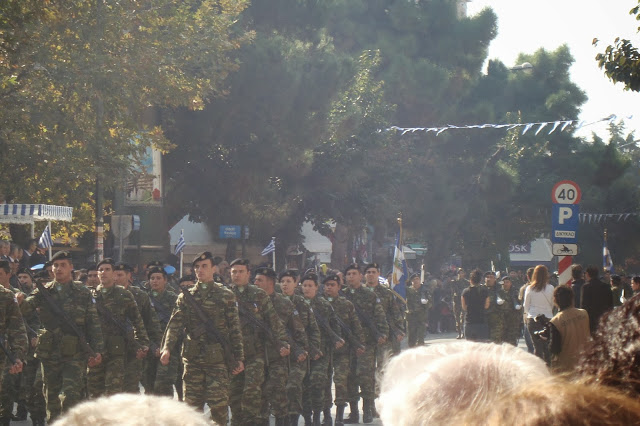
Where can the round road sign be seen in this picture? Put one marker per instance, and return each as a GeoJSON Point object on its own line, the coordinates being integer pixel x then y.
{"type": "Point", "coordinates": [566, 192]}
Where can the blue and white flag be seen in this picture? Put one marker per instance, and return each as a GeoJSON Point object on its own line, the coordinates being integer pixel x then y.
{"type": "Point", "coordinates": [399, 273]}
{"type": "Point", "coordinates": [45, 240]}
{"type": "Point", "coordinates": [269, 248]}
{"type": "Point", "coordinates": [181, 244]}
{"type": "Point", "coordinates": [607, 263]}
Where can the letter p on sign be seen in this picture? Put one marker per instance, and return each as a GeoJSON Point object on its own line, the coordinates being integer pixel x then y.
{"type": "Point", "coordinates": [564, 214]}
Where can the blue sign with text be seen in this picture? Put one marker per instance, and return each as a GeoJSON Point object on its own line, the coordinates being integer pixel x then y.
{"type": "Point", "coordinates": [230, 231]}
{"type": "Point", "coordinates": [564, 223]}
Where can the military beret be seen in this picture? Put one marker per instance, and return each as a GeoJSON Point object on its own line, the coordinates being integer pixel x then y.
{"type": "Point", "coordinates": [25, 271]}
{"type": "Point", "coordinates": [312, 276]}
{"type": "Point", "coordinates": [156, 270]}
{"type": "Point", "coordinates": [107, 261]}
{"type": "Point", "coordinates": [372, 265]}
{"type": "Point", "coordinates": [187, 278]}
{"type": "Point", "coordinates": [121, 266]}
{"type": "Point", "coordinates": [42, 274]}
{"type": "Point", "coordinates": [203, 256]}
{"type": "Point", "coordinates": [331, 277]}
{"type": "Point", "coordinates": [414, 275]}
{"type": "Point", "coordinates": [61, 255]}
{"type": "Point", "coordinates": [47, 264]}
{"type": "Point", "coordinates": [241, 262]}
{"type": "Point", "coordinates": [507, 278]}
{"type": "Point", "coordinates": [486, 274]}
{"type": "Point", "coordinates": [92, 267]}
{"type": "Point", "coordinates": [155, 263]}
{"type": "Point", "coordinates": [352, 266]}
{"type": "Point", "coordinates": [267, 272]}
{"type": "Point", "coordinates": [293, 273]}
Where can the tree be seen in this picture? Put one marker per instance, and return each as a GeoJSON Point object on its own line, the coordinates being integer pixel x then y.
{"type": "Point", "coordinates": [621, 61]}
{"type": "Point", "coordinates": [78, 77]}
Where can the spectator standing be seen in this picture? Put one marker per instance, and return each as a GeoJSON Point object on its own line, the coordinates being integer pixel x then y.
{"type": "Point", "coordinates": [475, 302]}
{"type": "Point", "coordinates": [577, 281]}
{"type": "Point", "coordinates": [597, 297]}
{"type": "Point", "coordinates": [538, 305]}
{"type": "Point", "coordinates": [569, 331]}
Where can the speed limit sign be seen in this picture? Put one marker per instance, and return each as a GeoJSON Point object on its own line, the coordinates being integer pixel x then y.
{"type": "Point", "coordinates": [566, 192]}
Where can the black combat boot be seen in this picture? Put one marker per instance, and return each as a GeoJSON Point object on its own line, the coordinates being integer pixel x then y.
{"type": "Point", "coordinates": [354, 415]}
{"type": "Point", "coordinates": [340, 415]}
{"type": "Point", "coordinates": [367, 411]}
{"type": "Point", "coordinates": [326, 418]}
{"type": "Point", "coordinates": [316, 418]}
{"type": "Point", "coordinates": [293, 419]}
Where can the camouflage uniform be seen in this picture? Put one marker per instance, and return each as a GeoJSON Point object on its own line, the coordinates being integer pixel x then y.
{"type": "Point", "coordinates": [160, 378]}
{"type": "Point", "coordinates": [341, 362]}
{"type": "Point", "coordinates": [63, 359]}
{"type": "Point", "coordinates": [245, 393]}
{"type": "Point", "coordinates": [495, 313]}
{"type": "Point", "coordinates": [512, 316]}
{"type": "Point", "coordinates": [314, 384]}
{"type": "Point", "coordinates": [297, 371]}
{"type": "Point", "coordinates": [134, 367]}
{"type": "Point", "coordinates": [366, 301]}
{"type": "Point", "coordinates": [31, 382]}
{"type": "Point", "coordinates": [277, 371]}
{"type": "Point", "coordinates": [107, 378]}
{"type": "Point", "coordinates": [457, 287]}
{"type": "Point", "coordinates": [15, 340]}
{"type": "Point", "coordinates": [206, 375]}
{"type": "Point", "coordinates": [395, 321]}
{"type": "Point", "coordinates": [417, 313]}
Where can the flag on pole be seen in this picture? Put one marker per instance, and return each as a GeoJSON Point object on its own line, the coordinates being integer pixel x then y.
{"type": "Point", "coordinates": [181, 244]}
{"type": "Point", "coordinates": [607, 262]}
{"type": "Point", "coordinates": [400, 273]}
{"type": "Point", "coordinates": [271, 247]}
{"type": "Point", "coordinates": [45, 240]}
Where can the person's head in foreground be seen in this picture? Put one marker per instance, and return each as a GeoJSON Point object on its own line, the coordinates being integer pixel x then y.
{"type": "Point", "coordinates": [613, 357]}
{"type": "Point", "coordinates": [557, 402]}
{"type": "Point", "coordinates": [133, 410]}
{"type": "Point", "coordinates": [426, 385]}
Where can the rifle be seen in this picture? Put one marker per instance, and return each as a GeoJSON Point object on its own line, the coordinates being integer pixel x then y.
{"type": "Point", "coordinates": [7, 352]}
{"type": "Point", "coordinates": [125, 328]}
{"type": "Point", "coordinates": [210, 328]}
{"type": "Point", "coordinates": [248, 315]}
{"type": "Point", "coordinates": [62, 315]}
{"type": "Point", "coordinates": [322, 322]}
{"type": "Point", "coordinates": [364, 318]}
{"type": "Point", "coordinates": [353, 341]}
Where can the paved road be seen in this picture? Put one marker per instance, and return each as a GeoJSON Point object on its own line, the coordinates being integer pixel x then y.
{"type": "Point", "coordinates": [432, 339]}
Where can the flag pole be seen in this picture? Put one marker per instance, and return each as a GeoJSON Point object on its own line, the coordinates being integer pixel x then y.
{"type": "Point", "coordinates": [51, 233]}
{"type": "Point", "coordinates": [274, 252]}
{"type": "Point", "coordinates": [181, 255]}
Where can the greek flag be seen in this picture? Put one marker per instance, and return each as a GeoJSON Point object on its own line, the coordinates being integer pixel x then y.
{"type": "Point", "coordinates": [399, 273]}
{"type": "Point", "coordinates": [269, 248]}
{"type": "Point", "coordinates": [181, 243]}
{"type": "Point", "coordinates": [45, 240]}
{"type": "Point", "coordinates": [607, 262]}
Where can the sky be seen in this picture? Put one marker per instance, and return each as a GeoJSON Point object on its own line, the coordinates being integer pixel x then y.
{"type": "Point", "coordinates": [524, 27]}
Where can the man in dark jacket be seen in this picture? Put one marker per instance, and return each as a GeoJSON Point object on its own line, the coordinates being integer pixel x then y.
{"type": "Point", "coordinates": [577, 281]}
{"type": "Point", "coordinates": [597, 297]}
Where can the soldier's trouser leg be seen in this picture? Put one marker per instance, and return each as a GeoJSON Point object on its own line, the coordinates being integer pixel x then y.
{"type": "Point", "coordinates": [328, 402]}
{"type": "Point", "coordinates": [297, 371]}
{"type": "Point", "coordinates": [36, 404]}
{"type": "Point", "coordinates": [366, 372]}
{"type": "Point", "coordinates": [496, 327]}
{"type": "Point", "coordinates": [63, 383]}
{"type": "Point", "coordinates": [353, 385]}
{"type": "Point", "coordinates": [113, 375]}
{"type": "Point", "coordinates": [95, 380]}
{"type": "Point", "coordinates": [133, 374]}
{"type": "Point", "coordinates": [165, 375]}
{"type": "Point", "coordinates": [8, 393]}
{"type": "Point", "coordinates": [382, 355]}
{"type": "Point", "coordinates": [150, 371]}
{"type": "Point", "coordinates": [246, 391]}
{"type": "Point", "coordinates": [457, 316]}
{"type": "Point", "coordinates": [412, 330]}
{"type": "Point", "coordinates": [274, 393]}
{"type": "Point", "coordinates": [207, 384]}
{"type": "Point", "coordinates": [341, 363]}
{"type": "Point", "coordinates": [178, 382]}
{"type": "Point", "coordinates": [317, 382]}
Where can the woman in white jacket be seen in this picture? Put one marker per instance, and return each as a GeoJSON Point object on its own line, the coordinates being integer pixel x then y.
{"type": "Point", "coordinates": [538, 303]}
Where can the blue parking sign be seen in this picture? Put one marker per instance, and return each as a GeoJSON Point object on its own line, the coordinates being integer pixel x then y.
{"type": "Point", "coordinates": [564, 223]}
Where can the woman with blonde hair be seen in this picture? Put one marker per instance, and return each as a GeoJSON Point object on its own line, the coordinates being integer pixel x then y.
{"type": "Point", "coordinates": [538, 306]}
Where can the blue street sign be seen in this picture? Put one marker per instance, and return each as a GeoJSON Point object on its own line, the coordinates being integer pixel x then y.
{"type": "Point", "coordinates": [564, 223]}
{"type": "Point", "coordinates": [230, 231]}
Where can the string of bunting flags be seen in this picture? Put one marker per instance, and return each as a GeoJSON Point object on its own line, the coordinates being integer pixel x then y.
{"type": "Point", "coordinates": [603, 217]}
{"type": "Point", "coordinates": [538, 126]}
